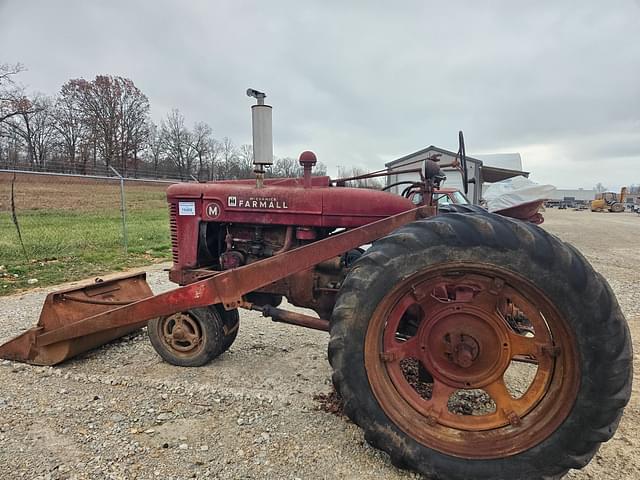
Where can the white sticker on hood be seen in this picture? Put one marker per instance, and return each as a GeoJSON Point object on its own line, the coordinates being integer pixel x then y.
{"type": "Point", "coordinates": [187, 208]}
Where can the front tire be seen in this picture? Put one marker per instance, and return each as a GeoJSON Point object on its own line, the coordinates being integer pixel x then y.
{"type": "Point", "coordinates": [195, 337]}
{"type": "Point", "coordinates": [464, 296]}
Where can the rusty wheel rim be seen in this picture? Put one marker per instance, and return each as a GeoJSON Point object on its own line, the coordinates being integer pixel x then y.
{"type": "Point", "coordinates": [182, 334]}
{"type": "Point", "coordinates": [457, 323]}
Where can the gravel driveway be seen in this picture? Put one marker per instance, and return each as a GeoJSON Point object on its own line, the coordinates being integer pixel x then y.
{"type": "Point", "coordinates": [120, 412]}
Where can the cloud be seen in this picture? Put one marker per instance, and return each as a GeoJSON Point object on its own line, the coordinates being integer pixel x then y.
{"type": "Point", "coordinates": [365, 82]}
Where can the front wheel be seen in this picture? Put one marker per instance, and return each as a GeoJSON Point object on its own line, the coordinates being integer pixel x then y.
{"type": "Point", "coordinates": [195, 337]}
{"type": "Point", "coordinates": [476, 346]}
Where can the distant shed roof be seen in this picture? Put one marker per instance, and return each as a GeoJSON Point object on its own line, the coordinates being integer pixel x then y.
{"type": "Point", "coordinates": [510, 161]}
{"type": "Point", "coordinates": [494, 168]}
{"type": "Point", "coordinates": [493, 174]}
{"type": "Point", "coordinates": [425, 150]}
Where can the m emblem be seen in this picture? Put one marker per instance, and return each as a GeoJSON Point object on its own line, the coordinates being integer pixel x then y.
{"type": "Point", "coordinates": [213, 210]}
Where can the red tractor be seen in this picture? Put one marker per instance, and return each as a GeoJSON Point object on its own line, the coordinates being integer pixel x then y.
{"type": "Point", "coordinates": [427, 327]}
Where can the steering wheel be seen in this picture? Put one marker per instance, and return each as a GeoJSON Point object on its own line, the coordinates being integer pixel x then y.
{"type": "Point", "coordinates": [462, 157]}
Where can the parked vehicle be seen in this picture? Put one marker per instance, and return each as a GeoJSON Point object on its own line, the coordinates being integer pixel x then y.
{"type": "Point", "coordinates": [610, 201]}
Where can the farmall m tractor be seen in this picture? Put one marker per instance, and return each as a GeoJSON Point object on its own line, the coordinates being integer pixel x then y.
{"type": "Point", "coordinates": [428, 327]}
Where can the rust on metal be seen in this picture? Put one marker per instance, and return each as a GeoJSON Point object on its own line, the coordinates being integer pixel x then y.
{"type": "Point", "coordinates": [293, 318]}
{"type": "Point", "coordinates": [67, 328]}
{"type": "Point", "coordinates": [182, 333]}
{"type": "Point", "coordinates": [376, 174]}
{"type": "Point", "coordinates": [65, 308]}
{"type": "Point", "coordinates": [465, 343]}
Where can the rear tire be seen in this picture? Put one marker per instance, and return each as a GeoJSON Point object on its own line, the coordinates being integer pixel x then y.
{"type": "Point", "coordinates": [230, 327]}
{"type": "Point", "coordinates": [461, 208]}
{"type": "Point", "coordinates": [195, 337]}
{"type": "Point", "coordinates": [587, 364]}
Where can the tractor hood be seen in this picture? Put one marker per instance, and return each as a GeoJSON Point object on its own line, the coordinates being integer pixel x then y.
{"type": "Point", "coordinates": [285, 202]}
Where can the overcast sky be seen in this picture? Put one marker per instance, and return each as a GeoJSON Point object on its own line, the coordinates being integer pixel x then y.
{"type": "Point", "coordinates": [362, 83]}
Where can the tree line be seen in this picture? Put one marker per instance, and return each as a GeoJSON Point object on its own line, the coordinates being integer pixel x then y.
{"type": "Point", "coordinates": [632, 189]}
{"type": "Point", "coordinates": [91, 126]}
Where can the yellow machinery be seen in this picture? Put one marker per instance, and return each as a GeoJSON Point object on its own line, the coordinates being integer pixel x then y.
{"type": "Point", "coordinates": [610, 201]}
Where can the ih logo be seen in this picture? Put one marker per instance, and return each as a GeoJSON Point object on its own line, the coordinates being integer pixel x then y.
{"type": "Point", "coordinates": [213, 210]}
{"type": "Point", "coordinates": [232, 201]}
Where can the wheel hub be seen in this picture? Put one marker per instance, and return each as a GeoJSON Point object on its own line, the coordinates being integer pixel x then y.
{"type": "Point", "coordinates": [463, 351]}
{"type": "Point", "coordinates": [460, 347]}
{"type": "Point", "coordinates": [178, 333]}
{"type": "Point", "coordinates": [181, 332]}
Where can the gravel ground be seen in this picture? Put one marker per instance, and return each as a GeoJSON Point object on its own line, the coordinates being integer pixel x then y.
{"type": "Point", "coordinates": [120, 412]}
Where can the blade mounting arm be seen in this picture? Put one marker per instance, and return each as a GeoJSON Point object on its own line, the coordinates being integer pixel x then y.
{"type": "Point", "coordinates": [229, 286]}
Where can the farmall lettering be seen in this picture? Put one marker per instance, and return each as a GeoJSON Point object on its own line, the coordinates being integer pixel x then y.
{"type": "Point", "coordinates": [257, 203]}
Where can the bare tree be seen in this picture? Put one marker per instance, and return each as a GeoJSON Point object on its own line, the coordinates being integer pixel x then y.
{"type": "Point", "coordinates": [13, 100]}
{"type": "Point", "coordinates": [155, 147]}
{"type": "Point", "coordinates": [599, 188]}
{"type": "Point", "coordinates": [11, 146]}
{"type": "Point", "coordinates": [245, 161]}
{"type": "Point", "coordinates": [215, 154]}
{"type": "Point", "coordinates": [320, 169]}
{"type": "Point", "coordinates": [286, 168]}
{"type": "Point", "coordinates": [290, 168]}
{"type": "Point", "coordinates": [375, 183]}
{"type": "Point", "coordinates": [202, 136]}
{"type": "Point", "coordinates": [227, 165]}
{"type": "Point", "coordinates": [70, 126]}
{"type": "Point", "coordinates": [105, 122]}
{"type": "Point", "coordinates": [134, 123]}
{"type": "Point", "coordinates": [35, 126]}
{"type": "Point", "coordinates": [178, 143]}
{"type": "Point", "coordinates": [116, 111]}
{"type": "Point", "coordinates": [99, 112]}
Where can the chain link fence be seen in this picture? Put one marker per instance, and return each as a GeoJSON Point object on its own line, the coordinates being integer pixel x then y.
{"type": "Point", "coordinates": [56, 228]}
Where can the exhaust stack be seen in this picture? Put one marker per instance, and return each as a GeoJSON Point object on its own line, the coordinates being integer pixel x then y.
{"type": "Point", "coordinates": [261, 123]}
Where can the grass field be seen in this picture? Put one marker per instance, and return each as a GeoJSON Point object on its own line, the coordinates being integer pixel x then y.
{"type": "Point", "coordinates": [72, 229]}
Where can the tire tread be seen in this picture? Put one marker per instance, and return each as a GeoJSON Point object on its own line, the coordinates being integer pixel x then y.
{"type": "Point", "coordinates": [469, 228]}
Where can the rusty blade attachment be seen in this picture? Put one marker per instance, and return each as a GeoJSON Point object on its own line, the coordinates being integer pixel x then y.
{"type": "Point", "coordinates": [66, 307]}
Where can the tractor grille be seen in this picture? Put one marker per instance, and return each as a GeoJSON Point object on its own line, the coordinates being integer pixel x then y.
{"type": "Point", "coordinates": [173, 225]}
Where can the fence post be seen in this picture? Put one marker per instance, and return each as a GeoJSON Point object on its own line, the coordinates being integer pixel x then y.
{"type": "Point", "coordinates": [123, 210]}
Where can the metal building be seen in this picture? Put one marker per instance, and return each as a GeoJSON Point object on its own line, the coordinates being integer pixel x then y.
{"type": "Point", "coordinates": [581, 194]}
{"type": "Point", "coordinates": [481, 171]}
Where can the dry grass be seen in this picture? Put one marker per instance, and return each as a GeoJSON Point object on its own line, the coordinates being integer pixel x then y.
{"type": "Point", "coordinates": [72, 228]}
{"type": "Point", "coordinates": [42, 192]}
